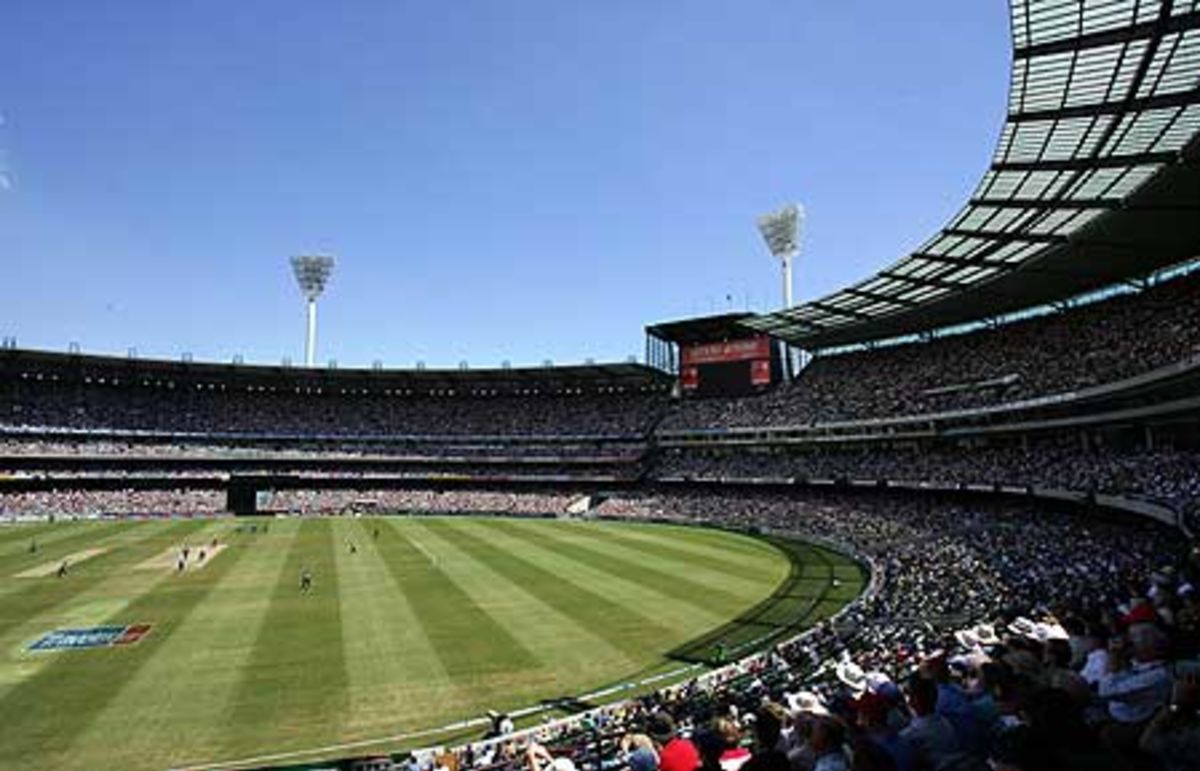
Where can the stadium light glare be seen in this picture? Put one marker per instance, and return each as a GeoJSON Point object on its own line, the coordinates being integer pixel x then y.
{"type": "Point", "coordinates": [312, 273]}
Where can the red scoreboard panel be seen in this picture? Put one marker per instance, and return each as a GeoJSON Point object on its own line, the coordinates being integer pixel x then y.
{"type": "Point", "coordinates": [729, 367]}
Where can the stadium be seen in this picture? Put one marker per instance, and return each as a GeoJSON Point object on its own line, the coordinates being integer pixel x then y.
{"type": "Point", "coordinates": [942, 518]}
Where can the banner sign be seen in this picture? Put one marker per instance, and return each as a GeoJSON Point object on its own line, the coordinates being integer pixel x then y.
{"type": "Point", "coordinates": [760, 372]}
{"type": "Point", "coordinates": [731, 350]}
{"type": "Point", "coordinates": [91, 637]}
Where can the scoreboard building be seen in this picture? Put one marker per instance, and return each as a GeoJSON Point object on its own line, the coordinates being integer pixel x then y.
{"type": "Point", "coordinates": [715, 355]}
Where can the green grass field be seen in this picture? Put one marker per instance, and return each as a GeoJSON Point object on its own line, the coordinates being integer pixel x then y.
{"type": "Point", "coordinates": [434, 620]}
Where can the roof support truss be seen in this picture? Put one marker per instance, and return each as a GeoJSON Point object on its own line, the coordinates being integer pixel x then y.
{"type": "Point", "coordinates": [834, 311]}
{"type": "Point", "coordinates": [1005, 236]}
{"type": "Point", "coordinates": [883, 298]}
{"type": "Point", "coordinates": [1156, 102]}
{"type": "Point", "coordinates": [1129, 34]}
{"type": "Point", "coordinates": [1085, 164]}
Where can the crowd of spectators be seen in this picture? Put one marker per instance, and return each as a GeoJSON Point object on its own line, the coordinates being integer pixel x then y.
{"type": "Point", "coordinates": [418, 502]}
{"type": "Point", "coordinates": [425, 473]}
{"type": "Point", "coordinates": [27, 456]}
{"type": "Point", "coordinates": [17, 445]}
{"type": "Point", "coordinates": [97, 503]}
{"type": "Point", "coordinates": [997, 636]}
{"type": "Point", "coordinates": [53, 504]}
{"type": "Point", "coordinates": [1091, 345]}
{"type": "Point", "coordinates": [135, 407]}
{"type": "Point", "coordinates": [1169, 477]}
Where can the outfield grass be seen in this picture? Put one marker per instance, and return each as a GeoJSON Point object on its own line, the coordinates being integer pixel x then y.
{"type": "Point", "coordinates": [432, 621]}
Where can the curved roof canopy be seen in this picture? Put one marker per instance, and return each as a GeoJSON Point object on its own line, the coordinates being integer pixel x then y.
{"type": "Point", "coordinates": [1094, 180]}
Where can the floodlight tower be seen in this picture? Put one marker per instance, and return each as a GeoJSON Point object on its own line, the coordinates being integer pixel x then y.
{"type": "Point", "coordinates": [312, 272]}
{"type": "Point", "coordinates": [782, 230]}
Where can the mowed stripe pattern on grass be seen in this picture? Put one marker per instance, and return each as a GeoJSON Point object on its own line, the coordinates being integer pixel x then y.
{"type": "Point", "coordinates": [42, 714]}
{"type": "Point", "coordinates": [422, 622]}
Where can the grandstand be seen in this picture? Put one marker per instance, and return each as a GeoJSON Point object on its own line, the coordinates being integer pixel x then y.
{"type": "Point", "coordinates": [985, 481]}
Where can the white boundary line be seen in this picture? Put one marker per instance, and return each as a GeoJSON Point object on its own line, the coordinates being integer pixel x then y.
{"type": "Point", "coordinates": [869, 591]}
{"type": "Point", "coordinates": [479, 721]}
{"type": "Point", "coordinates": [260, 759]}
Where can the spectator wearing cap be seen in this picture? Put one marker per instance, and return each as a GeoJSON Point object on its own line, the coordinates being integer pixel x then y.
{"type": "Point", "coordinates": [642, 759]}
{"type": "Point", "coordinates": [806, 708]}
{"type": "Point", "coordinates": [852, 676]}
{"type": "Point", "coordinates": [639, 753]}
{"type": "Point", "coordinates": [675, 753]}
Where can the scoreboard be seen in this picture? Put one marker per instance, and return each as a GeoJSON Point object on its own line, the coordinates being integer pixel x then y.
{"type": "Point", "coordinates": [729, 367]}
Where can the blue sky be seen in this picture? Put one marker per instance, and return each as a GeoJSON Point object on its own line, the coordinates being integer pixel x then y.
{"type": "Point", "coordinates": [499, 179]}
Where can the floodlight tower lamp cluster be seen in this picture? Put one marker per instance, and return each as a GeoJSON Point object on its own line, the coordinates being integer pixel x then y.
{"type": "Point", "coordinates": [783, 231]}
{"type": "Point", "coordinates": [312, 274]}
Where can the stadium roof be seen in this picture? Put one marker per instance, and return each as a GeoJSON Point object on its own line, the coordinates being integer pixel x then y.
{"type": "Point", "coordinates": [1095, 179]}
{"type": "Point", "coordinates": [705, 329]}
